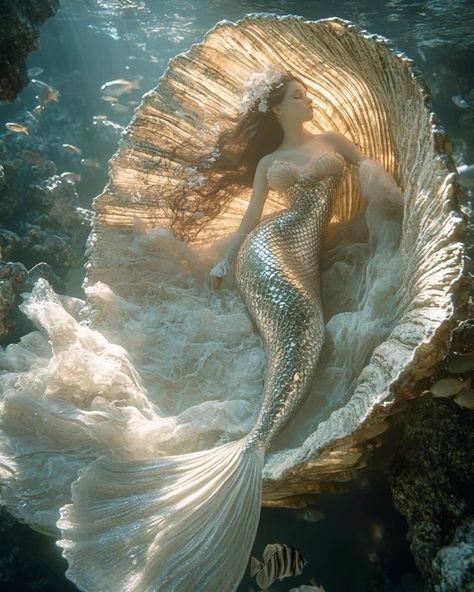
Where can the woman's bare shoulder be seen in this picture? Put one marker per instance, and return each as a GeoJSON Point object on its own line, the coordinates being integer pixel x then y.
{"type": "Point", "coordinates": [266, 161]}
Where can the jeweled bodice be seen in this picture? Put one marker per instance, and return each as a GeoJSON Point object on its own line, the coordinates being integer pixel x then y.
{"type": "Point", "coordinates": [282, 174]}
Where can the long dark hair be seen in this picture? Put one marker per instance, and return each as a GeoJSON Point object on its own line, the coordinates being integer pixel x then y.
{"type": "Point", "coordinates": [211, 178]}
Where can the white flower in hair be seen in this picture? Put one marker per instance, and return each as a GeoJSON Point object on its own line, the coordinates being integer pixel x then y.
{"type": "Point", "coordinates": [257, 88]}
{"type": "Point", "coordinates": [193, 180]}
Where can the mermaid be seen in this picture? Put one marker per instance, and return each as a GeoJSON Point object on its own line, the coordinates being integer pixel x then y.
{"type": "Point", "coordinates": [187, 522]}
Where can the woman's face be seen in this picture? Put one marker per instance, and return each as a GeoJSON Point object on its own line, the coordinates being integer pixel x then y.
{"type": "Point", "coordinates": [295, 105]}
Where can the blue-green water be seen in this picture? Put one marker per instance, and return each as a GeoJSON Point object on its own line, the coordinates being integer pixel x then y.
{"type": "Point", "coordinates": [360, 543]}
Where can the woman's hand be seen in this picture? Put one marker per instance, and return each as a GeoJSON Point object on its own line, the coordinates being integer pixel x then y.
{"type": "Point", "coordinates": [218, 272]}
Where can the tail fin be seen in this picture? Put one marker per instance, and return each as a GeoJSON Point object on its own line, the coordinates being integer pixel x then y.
{"type": "Point", "coordinates": [175, 524]}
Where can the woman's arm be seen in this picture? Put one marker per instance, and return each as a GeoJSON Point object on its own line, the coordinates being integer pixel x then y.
{"type": "Point", "coordinates": [346, 147]}
{"type": "Point", "coordinates": [249, 220]}
{"type": "Point", "coordinates": [375, 183]}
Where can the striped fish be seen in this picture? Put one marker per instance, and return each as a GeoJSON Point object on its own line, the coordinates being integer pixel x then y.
{"type": "Point", "coordinates": [279, 561]}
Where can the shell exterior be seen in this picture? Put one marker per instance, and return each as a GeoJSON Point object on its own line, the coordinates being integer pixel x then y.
{"type": "Point", "coordinates": [366, 89]}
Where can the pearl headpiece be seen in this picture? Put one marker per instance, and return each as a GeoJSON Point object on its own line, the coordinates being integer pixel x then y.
{"type": "Point", "coordinates": [257, 88]}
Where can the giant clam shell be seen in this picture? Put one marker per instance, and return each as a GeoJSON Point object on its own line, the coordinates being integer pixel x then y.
{"type": "Point", "coordinates": [363, 87]}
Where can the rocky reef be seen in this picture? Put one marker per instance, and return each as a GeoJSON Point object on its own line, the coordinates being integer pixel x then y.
{"type": "Point", "coordinates": [19, 25]}
{"type": "Point", "coordinates": [42, 234]}
{"type": "Point", "coordinates": [431, 477]}
{"type": "Point", "coordinates": [27, 241]}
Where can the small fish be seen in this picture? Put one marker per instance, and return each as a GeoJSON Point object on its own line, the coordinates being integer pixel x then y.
{"type": "Point", "coordinates": [47, 95]}
{"type": "Point", "coordinates": [446, 387]}
{"type": "Point", "coordinates": [39, 83]}
{"type": "Point", "coordinates": [71, 148]}
{"type": "Point", "coordinates": [17, 127]}
{"type": "Point", "coordinates": [373, 556]}
{"type": "Point", "coordinates": [461, 363]}
{"type": "Point", "coordinates": [109, 99]}
{"type": "Point", "coordinates": [91, 163]}
{"type": "Point", "coordinates": [310, 514]}
{"type": "Point", "coordinates": [38, 110]}
{"type": "Point", "coordinates": [99, 118]}
{"type": "Point", "coordinates": [47, 92]}
{"type": "Point", "coordinates": [33, 157]}
{"type": "Point", "coordinates": [35, 71]}
{"type": "Point", "coordinates": [422, 54]}
{"type": "Point", "coordinates": [120, 86]}
{"type": "Point", "coordinates": [119, 108]}
{"type": "Point", "coordinates": [466, 174]}
{"type": "Point", "coordinates": [460, 101]}
{"type": "Point", "coordinates": [377, 532]}
{"type": "Point", "coordinates": [133, 103]}
{"type": "Point", "coordinates": [279, 561]}
{"type": "Point", "coordinates": [70, 176]}
{"type": "Point", "coordinates": [465, 398]}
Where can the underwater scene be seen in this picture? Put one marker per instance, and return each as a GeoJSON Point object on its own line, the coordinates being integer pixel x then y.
{"type": "Point", "coordinates": [149, 362]}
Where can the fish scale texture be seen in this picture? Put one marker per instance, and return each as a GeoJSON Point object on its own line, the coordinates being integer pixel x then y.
{"type": "Point", "coordinates": [277, 272]}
